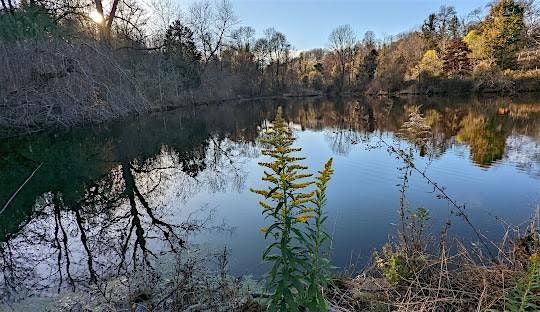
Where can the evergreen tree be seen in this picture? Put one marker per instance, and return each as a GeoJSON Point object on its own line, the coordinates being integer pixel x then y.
{"type": "Point", "coordinates": [370, 64]}
{"type": "Point", "coordinates": [179, 43]}
{"type": "Point", "coordinates": [456, 58]}
{"type": "Point", "coordinates": [28, 21]}
{"type": "Point", "coordinates": [429, 31]}
{"type": "Point", "coordinates": [180, 48]}
{"type": "Point", "coordinates": [503, 30]}
{"type": "Point", "coordinates": [454, 27]}
{"type": "Point", "coordinates": [441, 27]}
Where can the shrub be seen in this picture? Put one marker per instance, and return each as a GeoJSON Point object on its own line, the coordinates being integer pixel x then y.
{"type": "Point", "coordinates": [393, 265]}
{"type": "Point", "coordinates": [489, 77]}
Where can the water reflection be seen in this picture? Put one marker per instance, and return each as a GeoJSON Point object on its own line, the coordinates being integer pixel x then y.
{"type": "Point", "coordinates": [97, 209]}
{"type": "Point", "coordinates": [113, 198]}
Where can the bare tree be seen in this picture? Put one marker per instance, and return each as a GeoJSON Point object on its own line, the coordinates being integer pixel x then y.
{"type": "Point", "coordinates": [164, 13]}
{"type": "Point", "coordinates": [260, 49]}
{"type": "Point", "coordinates": [369, 40]}
{"type": "Point", "coordinates": [342, 41]}
{"type": "Point", "coordinates": [532, 22]}
{"type": "Point", "coordinates": [106, 25]}
{"type": "Point", "coordinates": [211, 23]}
{"type": "Point", "coordinates": [472, 19]}
{"type": "Point", "coordinates": [131, 21]}
{"type": "Point", "coordinates": [243, 38]}
{"type": "Point", "coordinates": [275, 47]}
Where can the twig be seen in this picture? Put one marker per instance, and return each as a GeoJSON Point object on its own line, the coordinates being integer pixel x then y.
{"type": "Point", "coordinates": [20, 187]}
{"type": "Point", "coordinates": [460, 208]}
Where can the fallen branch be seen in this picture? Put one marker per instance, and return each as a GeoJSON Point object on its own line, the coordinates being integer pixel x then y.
{"type": "Point", "coordinates": [19, 189]}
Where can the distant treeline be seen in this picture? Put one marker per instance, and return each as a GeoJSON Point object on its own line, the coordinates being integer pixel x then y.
{"type": "Point", "coordinates": [68, 62]}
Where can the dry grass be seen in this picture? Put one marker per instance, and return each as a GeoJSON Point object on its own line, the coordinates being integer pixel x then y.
{"type": "Point", "coordinates": [463, 281]}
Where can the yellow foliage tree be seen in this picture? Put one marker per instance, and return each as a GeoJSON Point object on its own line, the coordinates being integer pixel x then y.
{"type": "Point", "coordinates": [430, 65]}
{"type": "Point", "coordinates": [476, 43]}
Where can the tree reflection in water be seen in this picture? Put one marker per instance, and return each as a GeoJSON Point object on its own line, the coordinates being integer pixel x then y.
{"type": "Point", "coordinates": [116, 220]}
{"type": "Point", "coordinates": [108, 199]}
{"type": "Point", "coordinates": [117, 226]}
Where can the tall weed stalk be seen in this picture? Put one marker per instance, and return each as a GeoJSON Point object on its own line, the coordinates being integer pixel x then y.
{"type": "Point", "coordinates": [294, 203]}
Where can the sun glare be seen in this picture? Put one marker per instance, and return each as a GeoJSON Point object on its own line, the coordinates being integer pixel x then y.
{"type": "Point", "coordinates": [96, 16]}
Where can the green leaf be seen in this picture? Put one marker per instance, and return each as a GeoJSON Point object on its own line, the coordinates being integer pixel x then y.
{"type": "Point", "coordinates": [272, 191]}
{"type": "Point", "coordinates": [271, 228]}
{"type": "Point", "coordinates": [269, 249]}
{"type": "Point", "coordinates": [278, 207]}
{"type": "Point", "coordinates": [300, 236]}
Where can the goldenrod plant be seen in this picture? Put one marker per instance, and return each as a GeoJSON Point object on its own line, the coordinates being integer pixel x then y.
{"type": "Point", "coordinates": [526, 293]}
{"type": "Point", "coordinates": [318, 272]}
{"type": "Point", "coordinates": [294, 203]}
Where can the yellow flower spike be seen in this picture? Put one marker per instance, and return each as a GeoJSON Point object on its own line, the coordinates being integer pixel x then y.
{"type": "Point", "coordinates": [296, 167]}
{"type": "Point", "coordinates": [304, 218]}
{"type": "Point", "coordinates": [305, 195]}
{"type": "Point", "coordinates": [300, 185]}
{"type": "Point", "coordinates": [264, 229]}
{"type": "Point", "coordinates": [300, 201]}
{"type": "Point", "coordinates": [265, 205]}
{"type": "Point", "coordinates": [325, 174]}
{"type": "Point", "coordinates": [260, 192]}
{"type": "Point", "coordinates": [328, 165]}
{"type": "Point", "coordinates": [269, 178]}
{"type": "Point", "coordinates": [300, 176]}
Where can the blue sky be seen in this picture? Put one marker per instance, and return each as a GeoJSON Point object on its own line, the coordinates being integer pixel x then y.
{"type": "Point", "coordinates": [307, 23]}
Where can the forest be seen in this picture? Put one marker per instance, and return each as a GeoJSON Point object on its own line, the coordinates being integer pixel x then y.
{"type": "Point", "coordinates": [70, 62]}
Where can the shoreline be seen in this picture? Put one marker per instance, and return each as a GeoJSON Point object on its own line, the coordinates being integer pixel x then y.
{"type": "Point", "coordinates": [13, 132]}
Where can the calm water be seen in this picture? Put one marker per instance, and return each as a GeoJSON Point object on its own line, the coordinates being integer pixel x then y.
{"type": "Point", "coordinates": [108, 197]}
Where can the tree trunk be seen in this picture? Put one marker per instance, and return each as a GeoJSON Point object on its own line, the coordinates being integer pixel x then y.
{"type": "Point", "coordinates": [111, 15]}
{"type": "Point", "coordinates": [342, 79]}
{"type": "Point", "coordinates": [106, 25]}
{"type": "Point", "coordinates": [99, 7]}
{"type": "Point", "coordinates": [11, 8]}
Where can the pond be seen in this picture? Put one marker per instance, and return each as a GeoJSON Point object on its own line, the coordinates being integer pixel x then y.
{"type": "Point", "coordinates": [105, 197]}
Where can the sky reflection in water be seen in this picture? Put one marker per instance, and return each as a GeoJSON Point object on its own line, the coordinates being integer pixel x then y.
{"type": "Point", "coordinates": [112, 196]}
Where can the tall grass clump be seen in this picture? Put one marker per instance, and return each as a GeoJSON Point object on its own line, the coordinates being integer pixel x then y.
{"type": "Point", "coordinates": [294, 202]}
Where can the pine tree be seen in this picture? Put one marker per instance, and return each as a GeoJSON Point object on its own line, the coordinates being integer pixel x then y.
{"type": "Point", "coordinates": [503, 31]}
{"type": "Point", "coordinates": [456, 59]}
{"type": "Point", "coordinates": [370, 64]}
{"type": "Point", "coordinates": [180, 48]}
{"type": "Point", "coordinates": [429, 31]}
{"type": "Point", "coordinates": [179, 43]}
